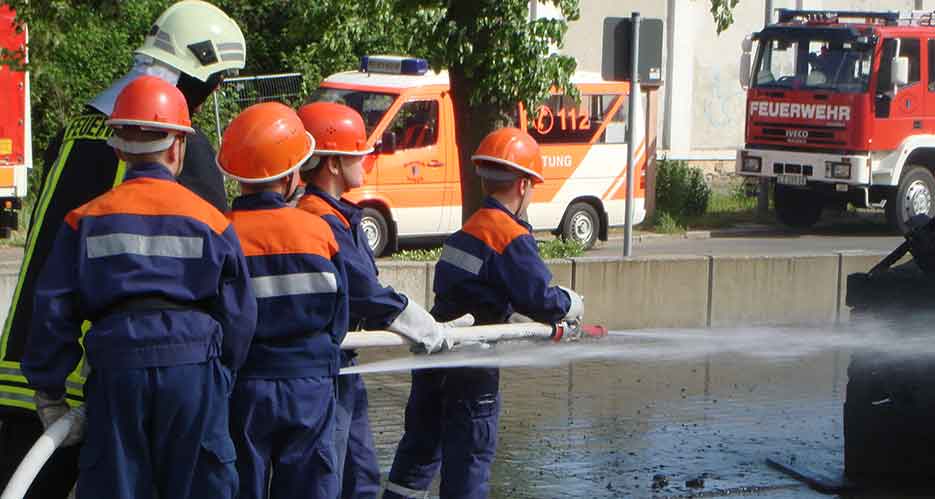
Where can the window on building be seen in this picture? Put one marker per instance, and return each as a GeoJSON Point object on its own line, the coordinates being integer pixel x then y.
{"type": "Point", "coordinates": [416, 125]}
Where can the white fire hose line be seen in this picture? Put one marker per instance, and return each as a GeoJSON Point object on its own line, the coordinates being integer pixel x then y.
{"type": "Point", "coordinates": [456, 335]}
{"type": "Point", "coordinates": [40, 453]}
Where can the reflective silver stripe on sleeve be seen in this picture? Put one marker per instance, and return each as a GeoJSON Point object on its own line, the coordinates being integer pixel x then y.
{"type": "Point", "coordinates": [461, 259]}
{"type": "Point", "coordinates": [135, 244]}
{"type": "Point", "coordinates": [406, 492]}
{"type": "Point", "coordinates": [294, 284]}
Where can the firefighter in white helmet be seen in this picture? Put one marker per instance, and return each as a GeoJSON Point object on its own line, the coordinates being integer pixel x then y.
{"type": "Point", "coordinates": [192, 45]}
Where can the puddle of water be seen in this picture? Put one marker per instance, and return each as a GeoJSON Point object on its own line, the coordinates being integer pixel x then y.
{"type": "Point", "coordinates": [611, 419]}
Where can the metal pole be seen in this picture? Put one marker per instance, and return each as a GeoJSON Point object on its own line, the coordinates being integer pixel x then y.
{"type": "Point", "coordinates": [762, 194]}
{"type": "Point", "coordinates": [631, 127]}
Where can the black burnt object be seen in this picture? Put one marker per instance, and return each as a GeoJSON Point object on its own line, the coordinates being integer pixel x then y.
{"type": "Point", "coordinates": [889, 413]}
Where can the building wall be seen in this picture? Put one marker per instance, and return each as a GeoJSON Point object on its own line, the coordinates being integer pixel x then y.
{"type": "Point", "coordinates": [701, 100]}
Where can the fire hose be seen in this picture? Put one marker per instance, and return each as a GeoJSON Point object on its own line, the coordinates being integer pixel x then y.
{"type": "Point", "coordinates": [566, 331]}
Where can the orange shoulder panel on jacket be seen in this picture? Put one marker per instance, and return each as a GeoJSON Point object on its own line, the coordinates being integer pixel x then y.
{"type": "Point", "coordinates": [283, 231]}
{"type": "Point", "coordinates": [153, 197]}
{"type": "Point", "coordinates": [318, 206]}
{"type": "Point", "coordinates": [494, 227]}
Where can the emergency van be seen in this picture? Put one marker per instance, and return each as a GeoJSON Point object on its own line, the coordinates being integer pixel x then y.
{"type": "Point", "coordinates": [413, 189]}
{"type": "Point", "coordinates": [841, 109]}
{"type": "Point", "coordinates": [15, 131]}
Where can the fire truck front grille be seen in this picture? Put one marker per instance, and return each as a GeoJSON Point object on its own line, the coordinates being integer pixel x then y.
{"type": "Point", "coordinates": [791, 133]}
{"type": "Point", "coordinates": [793, 169]}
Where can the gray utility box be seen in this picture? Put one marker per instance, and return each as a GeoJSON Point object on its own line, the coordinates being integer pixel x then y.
{"type": "Point", "coordinates": [618, 36]}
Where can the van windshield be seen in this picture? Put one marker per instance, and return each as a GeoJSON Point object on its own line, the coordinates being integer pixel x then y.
{"type": "Point", "coordinates": [803, 63]}
{"type": "Point", "coordinates": [371, 105]}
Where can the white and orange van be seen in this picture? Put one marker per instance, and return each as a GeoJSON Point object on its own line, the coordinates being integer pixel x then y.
{"type": "Point", "coordinates": [413, 184]}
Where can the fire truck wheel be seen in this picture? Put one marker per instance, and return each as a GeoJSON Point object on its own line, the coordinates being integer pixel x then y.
{"type": "Point", "coordinates": [375, 230]}
{"type": "Point", "coordinates": [915, 195]}
{"type": "Point", "coordinates": [797, 207]}
{"type": "Point", "coordinates": [581, 224]}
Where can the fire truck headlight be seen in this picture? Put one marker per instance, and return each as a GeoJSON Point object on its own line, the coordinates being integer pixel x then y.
{"type": "Point", "coordinates": [751, 164]}
{"type": "Point", "coordinates": [837, 170]}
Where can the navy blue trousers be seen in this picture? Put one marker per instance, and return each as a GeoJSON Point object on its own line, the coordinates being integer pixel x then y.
{"type": "Point", "coordinates": [158, 432]}
{"type": "Point", "coordinates": [451, 425]}
{"type": "Point", "coordinates": [360, 475]}
{"type": "Point", "coordinates": [284, 433]}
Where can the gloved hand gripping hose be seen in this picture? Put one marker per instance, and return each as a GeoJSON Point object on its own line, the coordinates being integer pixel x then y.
{"type": "Point", "coordinates": [41, 452]}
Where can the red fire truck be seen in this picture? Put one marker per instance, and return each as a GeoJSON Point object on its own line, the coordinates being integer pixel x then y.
{"type": "Point", "coordinates": [841, 109]}
{"type": "Point", "coordinates": [15, 131]}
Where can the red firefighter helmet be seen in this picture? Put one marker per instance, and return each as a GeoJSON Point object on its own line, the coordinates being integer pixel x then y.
{"type": "Point", "coordinates": [263, 143]}
{"type": "Point", "coordinates": [154, 105]}
{"type": "Point", "coordinates": [338, 129]}
{"type": "Point", "coordinates": [512, 149]}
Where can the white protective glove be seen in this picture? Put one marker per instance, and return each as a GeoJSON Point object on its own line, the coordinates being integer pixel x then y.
{"type": "Point", "coordinates": [518, 318]}
{"type": "Point", "coordinates": [576, 310]}
{"type": "Point", "coordinates": [416, 324]}
{"type": "Point", "coordinates": [51, 410]}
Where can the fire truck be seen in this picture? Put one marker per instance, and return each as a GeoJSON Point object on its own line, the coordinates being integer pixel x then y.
{"type": "Point", "coordinates": [15, 131]}
{"type": "Point", "coordinates": [841, 110]}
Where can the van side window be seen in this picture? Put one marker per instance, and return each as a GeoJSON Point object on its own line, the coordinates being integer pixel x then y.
{"type": "Point", "coordinates": [616, 131]}
{"type": "Point", "coordinates": [561, 120]}
{"type": "Point", "coordinates": [416, 125]}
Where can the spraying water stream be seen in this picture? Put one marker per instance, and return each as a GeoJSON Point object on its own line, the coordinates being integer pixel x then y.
{"type": "Point", "coordinates": [765, 343]}
{"type": "Point", "coordinates": [656, 413]}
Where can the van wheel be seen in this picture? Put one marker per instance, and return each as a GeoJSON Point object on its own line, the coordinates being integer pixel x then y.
{"type": "Point", "coordinates": [581, 224]}
{"type": "Point", "coordinates": [915, 195]}
{"type": "Point", "coordinates": [373, 223]}
{"type": "Point", "coordinates": [800, 208]}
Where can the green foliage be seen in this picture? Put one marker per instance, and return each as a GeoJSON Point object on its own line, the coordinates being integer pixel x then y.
{"type": "Point", "coordinates": [681, 191]}
{"type": "Point", "coordinates": [419, 255]}
{"type": "Point", "coordinates": [723, 13]}
{"type": "Point", "coordinates": [558, 248]}
{"type": "Point", "coordinates": [665, 223]}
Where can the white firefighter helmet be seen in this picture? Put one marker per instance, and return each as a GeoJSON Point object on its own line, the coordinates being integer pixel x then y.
{"type": "Point", "coordinates": [196, 38]}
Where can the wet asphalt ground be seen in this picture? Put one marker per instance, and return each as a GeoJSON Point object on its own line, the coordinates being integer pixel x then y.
{"type": "Point", "coordinates": [693, 428]}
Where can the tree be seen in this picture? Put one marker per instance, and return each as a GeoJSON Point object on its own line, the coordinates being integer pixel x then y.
{"type": "Point", "coordinates": [723, 13]}
{"type": "Point", "coordinates": [496, 56]}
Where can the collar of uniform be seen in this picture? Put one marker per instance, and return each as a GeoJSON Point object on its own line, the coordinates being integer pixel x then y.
{"type": "Point", "coordinates": [490, 202]}
{"type": "Point", "coordinates": [149, 170]}
{"type": "Point", "coordinates": [259, 201]}
{"type": "Point", "coordinates": [351, 211]}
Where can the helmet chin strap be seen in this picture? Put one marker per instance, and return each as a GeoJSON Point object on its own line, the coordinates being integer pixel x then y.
{"type": "Point", "coordinates": [522, 200]}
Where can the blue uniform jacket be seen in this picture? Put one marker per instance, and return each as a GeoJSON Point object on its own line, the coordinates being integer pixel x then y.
{"type": "Point", "coordinates": [149, 237]}
{"type": "Point", "coordinates": [491, 268]}
{"type": "Point", "coordinates": [372, 305]}
{"type": "Point", "coordinates": [299, 279]}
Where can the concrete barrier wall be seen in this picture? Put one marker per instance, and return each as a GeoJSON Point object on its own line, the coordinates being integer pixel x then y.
{"type": "Point", "coordinates": [692, 291]}
{"type": "Point", "coordinates": [667, 292]}
{"type": "Point", "coordinates": [644, 292]}
{"type": "Point", "coordinates": [774, 290]}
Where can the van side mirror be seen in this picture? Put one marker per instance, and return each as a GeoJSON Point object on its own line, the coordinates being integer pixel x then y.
{"type": "Point", "coordinates": [745, 61]}
{"type": "Point", "coordinates": [900, 71]}
{"type": "Point", "coordinates": [388, 143]}
{"type": "Point", "coordinates": [745, 71]}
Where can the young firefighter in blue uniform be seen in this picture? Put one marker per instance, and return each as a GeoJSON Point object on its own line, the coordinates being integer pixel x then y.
{"type": "Point", "coordinates": [491, 269]}
{"type": "Point", "coordinates": [283, 405]}
{"type": "Point", "coordinates": [336, 168]}
{"type": "Point", "coordinates": [160, 273]}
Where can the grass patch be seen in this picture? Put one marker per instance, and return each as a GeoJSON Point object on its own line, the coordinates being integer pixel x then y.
{"type": "Point", "coordinates": [548, 249]}
{"type": "Point", "coordinates": [418, 255]}
{"type": "Point", "coordinates": [667, 224]}
{"type": "Point", "coordinates": [558, 248]}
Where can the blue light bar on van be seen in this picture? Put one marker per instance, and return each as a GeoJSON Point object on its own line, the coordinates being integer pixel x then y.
{"type": "Point", "coordinates": [393, 64]}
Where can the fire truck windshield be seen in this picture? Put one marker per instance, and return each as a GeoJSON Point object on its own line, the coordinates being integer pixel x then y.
{"type": "Point", "coordinates": [803, 63]}
{"type": "Point", "coordinates": [371, 105]}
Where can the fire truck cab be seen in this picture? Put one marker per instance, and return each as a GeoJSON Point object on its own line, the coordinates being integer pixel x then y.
{"type": "Point", "coordinates": [841, 109]}
{"type": "Point", "coordinates": [15, 132]}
